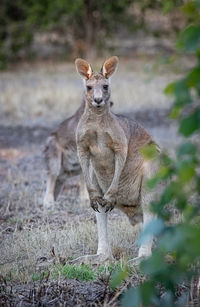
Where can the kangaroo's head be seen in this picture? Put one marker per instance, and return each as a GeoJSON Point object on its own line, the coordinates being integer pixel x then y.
{"type": "Point", "coordinates": [97, 85]}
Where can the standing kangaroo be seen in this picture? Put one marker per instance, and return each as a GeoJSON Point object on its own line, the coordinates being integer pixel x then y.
{"type": "Point", "coordinates": [60, 155]}
{"type": "Point", "coordinates": [114, 169]}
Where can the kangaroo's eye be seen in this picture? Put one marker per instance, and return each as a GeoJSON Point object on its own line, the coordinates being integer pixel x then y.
{"type": "Point", "coordinates": [89, 88]}
{"type": "Point", "coordinates": [105, 87]}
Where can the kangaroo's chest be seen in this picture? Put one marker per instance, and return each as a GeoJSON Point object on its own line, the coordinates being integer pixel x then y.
{"type": "Point", "coordinates": [102, 156]}
{"type": "Point", "coordinates": [99, 145]}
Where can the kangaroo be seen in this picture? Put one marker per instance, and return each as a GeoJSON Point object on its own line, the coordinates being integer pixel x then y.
{"type": "Point", "coordinates": [60, 155]}
{"type": "Point", "coordinates": [114, 169]}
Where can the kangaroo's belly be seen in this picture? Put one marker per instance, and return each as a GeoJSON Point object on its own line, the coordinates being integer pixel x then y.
{"type": "Point", "coordinates": [103, 164]}
{"type": "Point", "coordinates": [130, 183]}
{"type": "Point", "coordinates": [102, 160]}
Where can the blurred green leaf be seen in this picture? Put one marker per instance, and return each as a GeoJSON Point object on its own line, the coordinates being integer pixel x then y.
{"type": "Point", "coordinates": [131, 298]}
{"type": "Point", "coordinates": [193, 79]}
{"type": "Point", "coordinates": [167, 6]}
{"type": "Point", "coordinates": [170, 192]}
{"type": "Point", "coordinates": [174, 260]}
{"type": "Point", "coordinates": [118, 276]}
{"type": "Point", "coordinates": [169, 90]}
{"type": "Point", "coordinates": [190, 123]}
{"type": "Point", "coordinates": [148, 294]}
{"type": "Point", "coordinates": [186, 171]}
{"type": "Point", "coordinates": [187, 149]}
{"type": "Point", "coordinates": [189, 39]}
{"type": "Point", "coordinates": [175, 112]}
{"type": "Point", "coordinates": [163, 173]}
{"type": "Point", "coordinates": [189, 8]}
{"type": "Point", "coordinates": [155, 264]}
{"type": "Point", "coordinates": [180, 91]}
{"type": "Point", "coordinates": [151, 183]}
{"type": "Point", "coordinates": [153, 228]}
{"type": "Point", "coordinates": [150, 151]}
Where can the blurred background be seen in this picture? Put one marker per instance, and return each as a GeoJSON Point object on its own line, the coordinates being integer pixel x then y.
{"type": "Point", "coordinates": [39, 41]}
{"type": "Point", "coordinates": [39, 87]}
{"type": "Point", "coordinates": [64, 29]}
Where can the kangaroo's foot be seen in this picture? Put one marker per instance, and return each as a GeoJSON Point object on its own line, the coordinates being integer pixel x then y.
{"type": "Point", "coordinates": [94, 259]}
{"type": "Point", "coordinates": [136, 261]}
{"type": "Point", "coordinates": [48, 201]}
{"type": "Point", "coordinates": [144, 253]}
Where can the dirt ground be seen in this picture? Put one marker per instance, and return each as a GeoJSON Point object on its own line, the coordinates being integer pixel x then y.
{"type": "Point", "coordinates": [30, 237]}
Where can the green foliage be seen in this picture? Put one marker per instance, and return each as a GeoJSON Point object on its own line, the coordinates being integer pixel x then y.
{"type": "Point", "coordinates": [87, 21]}
{"type": "Point", "coordinates": [175, 260]}
{"type": "Point", "coordinates": [119, 274]}
{"type": "Point", "coordinates": [189, 38]}
{"type": "Point", "coordinates": [190, 123]}
{"type": "Point", "coordinates": [149, 151]}
{"type": "Point", "coordinates": [40, 275]}
{"type": "Point", "coordinates": [82, 272]}
{"type": "Point", "coordinates": [69, 271]}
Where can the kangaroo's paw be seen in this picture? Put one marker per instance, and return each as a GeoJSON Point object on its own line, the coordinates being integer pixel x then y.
{"type": "Point", "coordinates": [93, 259]}
{"type": "Point", "coordinates": [94, 202]}
{"type": "Point", "coordinates": [107, 205]}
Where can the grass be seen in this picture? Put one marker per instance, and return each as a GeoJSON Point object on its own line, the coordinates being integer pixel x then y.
{"type": "Point", "coordinates": [80, 272]}
{"type": "Point", "coordinates": [55, 90]}
{"type": "Point", "coordinates": [21, 252]}
{"type": "Point", "coordinates": [85, 272]}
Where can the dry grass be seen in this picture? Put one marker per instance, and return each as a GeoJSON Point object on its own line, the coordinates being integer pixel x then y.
{"type": "Point", "coordinates": [25, 248]}
{"type": "Point", "coordinates": [29, 234]}
{"type": "Point", "coordinates": [54, 91]}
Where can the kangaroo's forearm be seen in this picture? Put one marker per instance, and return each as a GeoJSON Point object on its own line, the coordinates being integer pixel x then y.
{"type": "Point", "coordinates": [120, 159]}
{"type": "Point", "coordinates": [84, 158]}
{"type": "Point", "coordinates": [84, 162]}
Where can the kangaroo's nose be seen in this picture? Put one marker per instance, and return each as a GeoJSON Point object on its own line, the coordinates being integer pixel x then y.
{"type": "Point", "coordinates": [98, 100]}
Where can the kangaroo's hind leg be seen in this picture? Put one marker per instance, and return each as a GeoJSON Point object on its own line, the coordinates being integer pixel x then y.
{"type": "Point", "coordinates": [146, 197]}
{"type": "Point", "coordinates": [52, 155]}
{"type": "Point", "coordinates": [104, 253]}
{"type": "Point", "coordinates": [58, 185]}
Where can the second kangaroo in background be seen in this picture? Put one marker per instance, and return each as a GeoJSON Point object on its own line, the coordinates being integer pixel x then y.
{"type": "Point", "coordinates": [60, 155]}
{"type": "Point", "coordinates": [109, 151]}
{"type": "Point", "coordinates": [61, 158]}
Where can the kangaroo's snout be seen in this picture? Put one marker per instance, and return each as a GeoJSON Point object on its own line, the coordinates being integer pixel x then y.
{"type": "Point", "coordinates": [98, 100]}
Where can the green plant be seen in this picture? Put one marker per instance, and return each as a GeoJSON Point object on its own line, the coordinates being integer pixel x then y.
{"type": "Point", "coordinates": [86, 21]}
{"type": "Point", "coordinates": [40, 275]}
{"type": "Point", "coordinates": [174, 262]}
{"type": "Point", "coordinates": [82, 272]}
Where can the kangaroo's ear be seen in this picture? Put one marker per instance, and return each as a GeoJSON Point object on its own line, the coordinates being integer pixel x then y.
{"type": "Point", "coordinates": [83, 68]}
{"type": "Point", "coordinates": [109, 66]}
